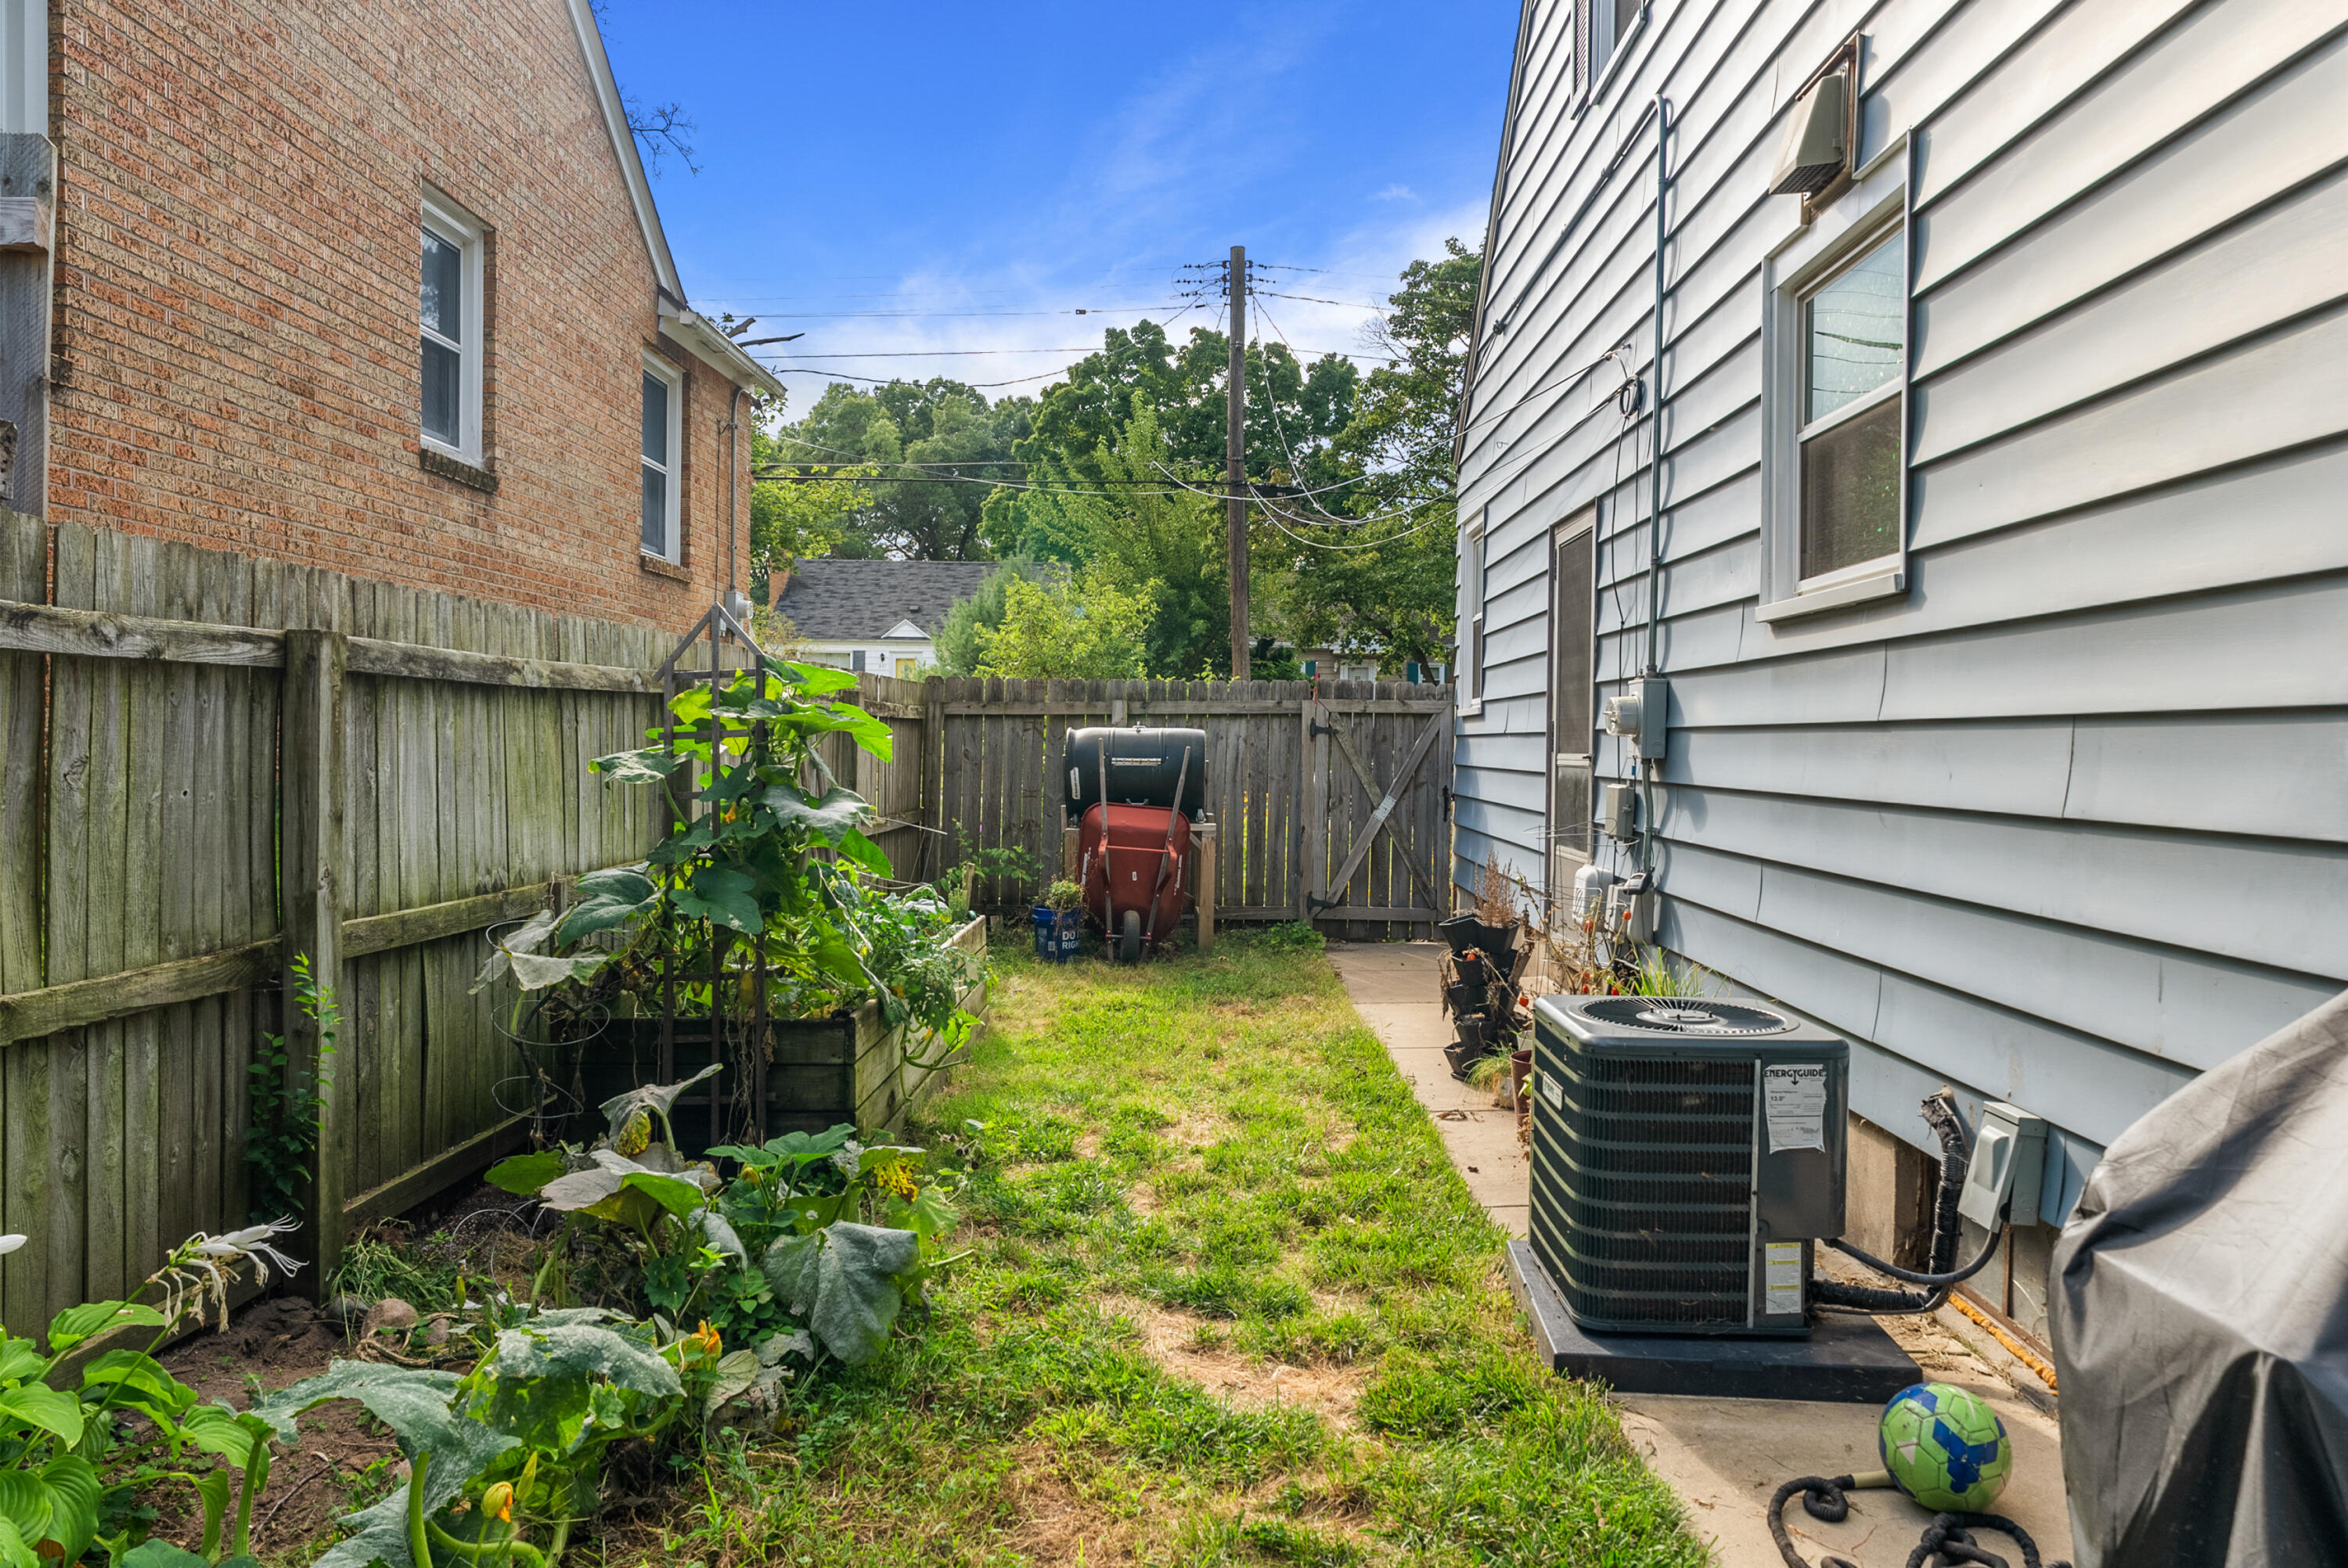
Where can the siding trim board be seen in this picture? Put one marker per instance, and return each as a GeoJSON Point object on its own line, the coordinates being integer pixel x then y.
{"type": "Point", "coordinates": [2068, 820]}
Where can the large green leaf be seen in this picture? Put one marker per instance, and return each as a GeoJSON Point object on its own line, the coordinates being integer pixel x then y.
{"type": "Point", "coordinates": [73, 1494]}
{"type": "Point", "coordinates": [862, 727]}
{"type": "Point", "coordinates": [839, 812]}
{"type": "Point", "coordinates": [379, 1534]}
{"type": "Point", "coordinates": [582, 1350]}
{"type": "Point", "coordinates": [75, 1324]}
{"type": "Point", "coordinates": [722, 897]}
{"type": "Point", "coordinates": [164, 1554]}
{"type": "Point", "coordinates": [19, 1361]}
{"type": "Point", "coordinates": [524, 1174]}
{"type": "Point", "coordinates": [231, 1434]}
{"type": "Point", "coordinates": [348, 1380]}
{"type": "Point", "coordinates": [842, 1279]}
{"type": "Point", "coordinates": [607, 898]}
{"type": "Point", "coordinates": [814, 679]}
{"type": "Point", "coordinates": [650, 766]}
{"type": "Point", "coordinates": [25, 1502]}
{"type": "Point", "coordinates": [38, 1405]}
{"type": "Point", "coordinates": [131, 1381]}
{"type": "Point", "coordinates": [854, 846]}
{"type": "Point", "coordinates": [14, 1550]}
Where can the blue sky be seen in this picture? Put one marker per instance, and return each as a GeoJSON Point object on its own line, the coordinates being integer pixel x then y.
{"type": "Point", "coordinates": [939, 166]}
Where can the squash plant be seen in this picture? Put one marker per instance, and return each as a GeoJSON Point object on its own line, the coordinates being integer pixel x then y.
{"type": "Point", "coordinates": [770, 870]}
{"type": "Point", "coordinates": [506, 1460]}
{"type": "Point", "coordinates": [817, 1233]}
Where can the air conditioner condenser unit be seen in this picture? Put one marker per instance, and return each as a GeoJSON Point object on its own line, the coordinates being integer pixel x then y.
{"type": "Point", "coordinates": [1687, 1154]}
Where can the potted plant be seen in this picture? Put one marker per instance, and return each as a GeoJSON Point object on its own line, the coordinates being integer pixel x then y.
{"type": "Point", "coordinates": [1059, 921]}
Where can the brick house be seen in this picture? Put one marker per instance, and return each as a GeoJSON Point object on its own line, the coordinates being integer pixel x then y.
{"type": "Point", "coordinates": [377, 288]}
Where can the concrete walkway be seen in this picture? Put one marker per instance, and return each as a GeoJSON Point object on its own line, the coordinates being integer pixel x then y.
{"type": "Point", "coordinates": [1722, 1457]}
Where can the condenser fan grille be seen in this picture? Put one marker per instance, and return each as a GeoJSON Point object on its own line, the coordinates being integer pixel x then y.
{"type": "Point", "coordinates": [1685, 1015]}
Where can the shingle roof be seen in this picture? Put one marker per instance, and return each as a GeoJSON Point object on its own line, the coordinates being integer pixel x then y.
{"type": "Point", "coordinates": [831, 599]}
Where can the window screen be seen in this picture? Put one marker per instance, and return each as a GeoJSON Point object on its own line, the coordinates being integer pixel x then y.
{"type": "Point", "coordinates": [657, 467]}
{"type": "Point", "coordinates": [1572, 571]}
{"type": "Point", "coordinates": [1854, 349]}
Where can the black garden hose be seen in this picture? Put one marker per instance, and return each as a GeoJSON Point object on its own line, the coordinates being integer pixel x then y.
{"type": "Point", "coordinates": [1947, 1542]}
{"type": "Point", "coordinates": [1939, 1109]}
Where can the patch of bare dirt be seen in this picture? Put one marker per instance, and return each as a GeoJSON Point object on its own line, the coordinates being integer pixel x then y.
{"type": "Point", "coordinates": [277, 1343]}
{"type": "Point", "coordinates": [1190, 1347]}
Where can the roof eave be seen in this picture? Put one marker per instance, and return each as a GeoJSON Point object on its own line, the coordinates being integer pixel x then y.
{"type": "Point", "coordinates": [710, 344]}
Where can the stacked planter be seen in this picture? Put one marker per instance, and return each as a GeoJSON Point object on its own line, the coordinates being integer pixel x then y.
{"type": "Point", "coordinates": [821, 1071]}
{"type": "Point", "coordinates": [1479, 987]}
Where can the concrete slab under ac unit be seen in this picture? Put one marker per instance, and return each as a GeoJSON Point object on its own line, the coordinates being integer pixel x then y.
{"type": "Point", "coordinates": [1846, 1361]}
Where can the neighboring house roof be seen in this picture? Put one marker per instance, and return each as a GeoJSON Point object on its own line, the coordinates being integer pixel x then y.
{"type": "Point", "coordinates": [699, 333]}
{"type": "Point", "coordinates": [828, 599]}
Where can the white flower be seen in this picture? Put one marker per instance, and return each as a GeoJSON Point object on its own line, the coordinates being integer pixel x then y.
{"type": "Point", "coordinates": [9, 1244]}
{"type": "Point", "coordinates": [252, 1242]}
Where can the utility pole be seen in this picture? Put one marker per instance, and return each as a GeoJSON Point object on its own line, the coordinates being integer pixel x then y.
{"type": "Point", "coordinates": [1235, 462]}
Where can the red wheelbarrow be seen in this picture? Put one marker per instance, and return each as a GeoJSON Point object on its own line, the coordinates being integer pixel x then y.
{"type": "Point", "coordinates": [1135, 794]}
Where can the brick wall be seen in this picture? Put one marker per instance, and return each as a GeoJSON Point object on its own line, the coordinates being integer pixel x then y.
{"type": "Point", "coordinates": [235, 342]}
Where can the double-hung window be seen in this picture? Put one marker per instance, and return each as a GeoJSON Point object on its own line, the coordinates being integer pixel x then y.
{"type": "Point", "coordinates": [1854, 352]}
{"type": "Point", "coordinates": [1835, 405]}
{"type": "Point", "coordinates": [664, 453]}
{"type": "Point", "coordinates": [449, 330]}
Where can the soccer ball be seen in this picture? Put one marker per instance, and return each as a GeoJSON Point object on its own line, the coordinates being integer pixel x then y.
{"type": "Point", "coordinates": [1945, 1448]}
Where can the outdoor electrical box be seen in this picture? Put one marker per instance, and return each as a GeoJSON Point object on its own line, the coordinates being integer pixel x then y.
{"type": "Point", "coordinates": [1687, 1152]}
{"type": "Point", "coordinates": [1639, 716]}
{"type": "Point", "coordinates": [1618, 812]}
{"type": "Point", "coordinates": [2009, 1165]}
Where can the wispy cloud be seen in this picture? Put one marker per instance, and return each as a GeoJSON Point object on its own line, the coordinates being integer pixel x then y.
{"type": "Point", "coordinates": [1396, 193]}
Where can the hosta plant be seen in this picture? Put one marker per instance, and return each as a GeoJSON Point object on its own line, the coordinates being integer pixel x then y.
{"type": "Point", "coordinates": [73, 1465]}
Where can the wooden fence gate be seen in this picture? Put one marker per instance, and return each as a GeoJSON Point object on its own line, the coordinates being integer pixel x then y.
{"type": "Point", "coordinates": [1331, 803]}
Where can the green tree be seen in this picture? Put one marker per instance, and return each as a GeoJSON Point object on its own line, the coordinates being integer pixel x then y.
{"type": "Point", "coordinates": [937, 447]}
{"type": "Point", "coordinates": [1088, 630]}
{"type": "Point", "coordinates": [1127, 518]}
{"type": "Point", "coordinates": [961, 640]}
{"type": "Point", "coordinates": [1373, 564]}
{"type": "Point", "coordinates": [793, 519]}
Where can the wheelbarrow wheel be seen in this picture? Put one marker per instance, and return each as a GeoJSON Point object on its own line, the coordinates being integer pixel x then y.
{"type": "Point", "coordinates": [1128, 948]}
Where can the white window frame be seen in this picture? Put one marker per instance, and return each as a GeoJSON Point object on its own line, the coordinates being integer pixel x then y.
{"type": "Point", "coordinates": [1874, 209]}
{"type": "Point", "coordinates": [673, 378]}
{"type": "Point", "coordinates": [457, 227]}
{"type": "Point", "coordinates": [1473, 559]}
{"type": "Point", "coordinates": [1618, 50]}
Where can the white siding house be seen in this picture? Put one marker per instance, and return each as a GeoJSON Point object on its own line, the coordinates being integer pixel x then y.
{"type": "Point", "coordinates": [2001, 583]}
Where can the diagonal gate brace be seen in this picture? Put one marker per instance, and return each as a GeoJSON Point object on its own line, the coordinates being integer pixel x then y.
{"type": "Point", "coordinates": [1436, 724]}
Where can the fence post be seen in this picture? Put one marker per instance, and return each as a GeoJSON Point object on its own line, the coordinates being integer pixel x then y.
{"type": "Point", "coordinates": [932, 776]}
{"type": "Point", "coordinates": [310, 893]}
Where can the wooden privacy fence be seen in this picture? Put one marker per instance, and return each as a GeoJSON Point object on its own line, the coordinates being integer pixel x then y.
{"type": "Point", "coordinates": [175, 726]}
{"type": "Point", "coordinates": [210, 764]}
{"type": "Point", "coordinates": [1332, 806]}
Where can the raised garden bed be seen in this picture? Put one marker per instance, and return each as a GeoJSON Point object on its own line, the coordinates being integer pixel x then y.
{"type": "Point", "coordinates": [848, 1067]}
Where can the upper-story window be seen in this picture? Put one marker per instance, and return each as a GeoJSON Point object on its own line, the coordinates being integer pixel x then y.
{"type": "Point", "coordinates": [450, 316]}
{"type": "Point", "coordinates": [1600, 27]}
{"type": "Point", "coordinates": [663, 465]}
{"type": "Point", "coordinates": [1854, 358]}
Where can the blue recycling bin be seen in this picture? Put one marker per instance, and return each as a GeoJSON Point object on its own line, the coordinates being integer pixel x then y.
{"type": "Point", "coordinates": [1058, 933]}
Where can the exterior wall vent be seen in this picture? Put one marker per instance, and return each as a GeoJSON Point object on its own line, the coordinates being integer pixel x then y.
{"type": "Point", "coordinates": [1817, 148]}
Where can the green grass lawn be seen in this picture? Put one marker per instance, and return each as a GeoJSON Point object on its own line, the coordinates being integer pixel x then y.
{"type": "Point", "coordinates": [1228, 1304]}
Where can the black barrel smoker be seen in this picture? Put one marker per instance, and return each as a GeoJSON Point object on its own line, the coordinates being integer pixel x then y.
{"type": "Point", "coordinates": [1134, 794]}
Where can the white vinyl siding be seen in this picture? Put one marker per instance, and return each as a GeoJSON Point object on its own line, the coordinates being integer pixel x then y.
{"type": "Point", "coordinates": [1991, 827]}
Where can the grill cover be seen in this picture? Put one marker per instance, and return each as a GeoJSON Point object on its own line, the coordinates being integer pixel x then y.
{"type": "Point", "coordinates": [2199, 1314]}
